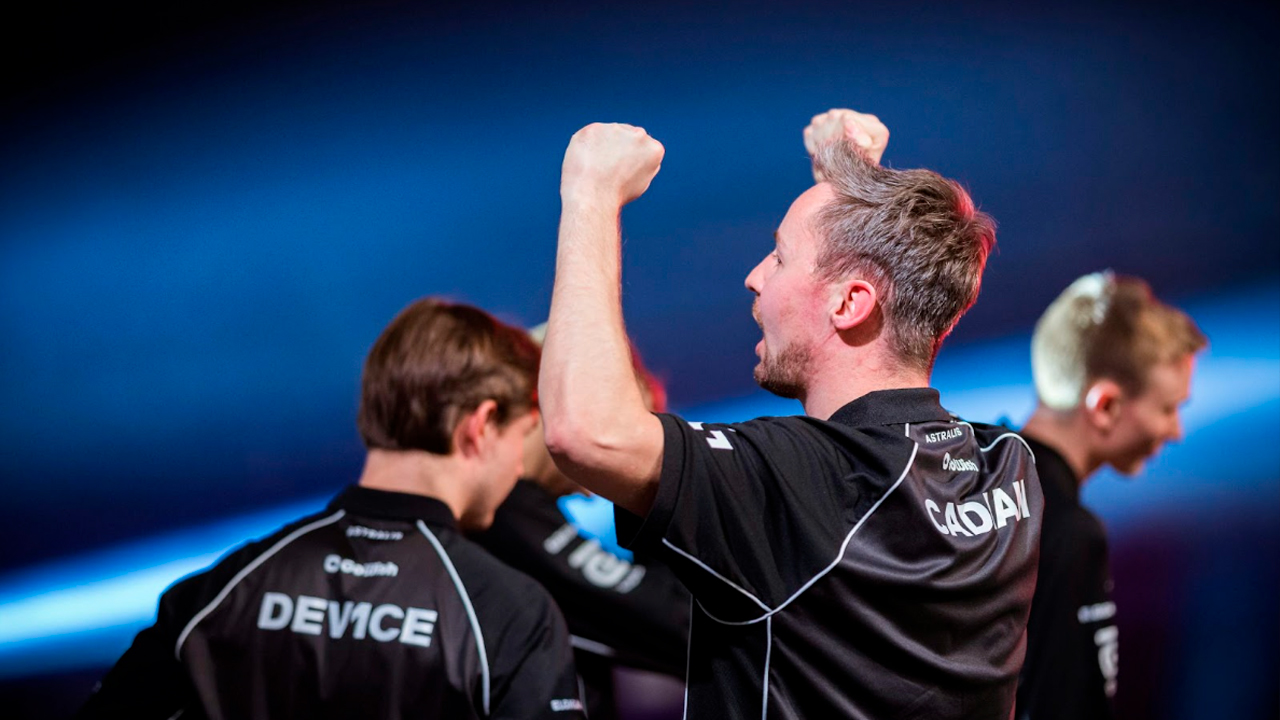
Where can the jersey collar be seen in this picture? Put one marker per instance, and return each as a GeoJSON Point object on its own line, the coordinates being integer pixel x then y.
{"type": "Point", "coordinates": [1056, 476]}
{"type": "Point", "coordinates": [892, 407]}
{"type": "Point", "coordinates": [401, 506]}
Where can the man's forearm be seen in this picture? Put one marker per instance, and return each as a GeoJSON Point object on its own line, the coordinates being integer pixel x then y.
{"type": "Point", "coordinates": [587, 389]}
{"type": "Point", "coordinates": [597, 427]}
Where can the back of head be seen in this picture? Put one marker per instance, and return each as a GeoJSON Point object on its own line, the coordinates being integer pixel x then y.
{"type": "Point", "coordinates": [1106, 326]}
{"type": "Point", "coordinates": [915, 235]}
{"type": "Point", "coordinates": [435, 362]}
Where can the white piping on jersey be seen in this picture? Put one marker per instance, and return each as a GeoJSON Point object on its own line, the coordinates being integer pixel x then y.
{"type": "Point", "coordinates": [466, 603]}
{"type": "Point", "coordinates": [182, 638]}
{"type": "Point", "coordinates": [1014, 435]}
{"type": "Point", "coordinates": [768, 652]}
{"type": "Point", "coordinates": [722, 578]}
{"type": "Point", "coordinates": [688, 655]}
{"type": "Point", "coordinates": [592, 646]}
{"type": "Point", "coordinates": [843, 546]}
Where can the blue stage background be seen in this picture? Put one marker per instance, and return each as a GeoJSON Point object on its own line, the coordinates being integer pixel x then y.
{"type": "Point", "coordinates": [207, 215]}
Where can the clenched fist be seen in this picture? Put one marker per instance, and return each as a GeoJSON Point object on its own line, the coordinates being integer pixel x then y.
{"type": "Point", "coordinates": [864, 130]}
{"type": "Point", "coordinates": [609, 162]}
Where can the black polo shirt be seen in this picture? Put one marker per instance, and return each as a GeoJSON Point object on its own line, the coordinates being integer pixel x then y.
{"type": "Point", "coordinates": [621, 612]}
{"type": "Point", "coordinates": [374, 608]}
{"type": "Point", "coordinates": [878, 564]}
{"type": "Point", "coordinates": [1072, 639]}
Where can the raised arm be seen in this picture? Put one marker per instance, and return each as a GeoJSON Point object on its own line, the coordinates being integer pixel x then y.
{"type": "Point", "coordinates": [597, 427]}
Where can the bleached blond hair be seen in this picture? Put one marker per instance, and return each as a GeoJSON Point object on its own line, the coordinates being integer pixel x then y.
{"type": "Point", "coordinates": [1106, 326]}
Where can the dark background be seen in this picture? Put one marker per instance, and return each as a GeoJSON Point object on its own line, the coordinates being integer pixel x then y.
{"type": "Point", "coordinates": [208, 212]}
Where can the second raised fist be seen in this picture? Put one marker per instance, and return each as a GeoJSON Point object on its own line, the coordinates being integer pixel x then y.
{"type": "Point", "coordinates": [609, 163]}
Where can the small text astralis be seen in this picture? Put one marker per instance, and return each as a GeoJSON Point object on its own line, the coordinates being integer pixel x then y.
{"type": "Point", "coordinates": [941, 435]}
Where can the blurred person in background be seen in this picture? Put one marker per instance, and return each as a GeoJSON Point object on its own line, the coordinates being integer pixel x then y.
{"type": "Point", "coordinates": [624, 612]}
{"type": "Point", "coordinates": [377, 606]}
{"type": "Point", "coordinates": [1112, 368]}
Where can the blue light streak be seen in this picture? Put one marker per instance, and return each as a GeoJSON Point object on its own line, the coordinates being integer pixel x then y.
{"type": "Point", "coordinates": [83, 611]}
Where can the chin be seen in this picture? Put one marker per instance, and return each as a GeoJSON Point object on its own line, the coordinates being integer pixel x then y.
{"type": "Point", "coordinates": [1132, 467]}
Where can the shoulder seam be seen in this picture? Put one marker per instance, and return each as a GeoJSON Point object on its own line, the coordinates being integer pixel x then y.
{"type": "Point", "coordinates": [995, 442]}
{"type": "Point", "coordinates": [244, 572]}
{"type": "Point", "coordinates": [466, 604]}
{"type": "Point", "coordinates": [715, 574]}
{"type": "Point", "coordinates": [843, 547]}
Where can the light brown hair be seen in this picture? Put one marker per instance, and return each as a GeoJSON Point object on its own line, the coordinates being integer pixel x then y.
{"type": "Point", "coordinates": [434, 363]}
{"type": "Point", "coordinates": [913, 234]}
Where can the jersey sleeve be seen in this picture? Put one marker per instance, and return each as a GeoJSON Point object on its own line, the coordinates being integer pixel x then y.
{"type": "Point", "coordinates": [533, 671]}
{"type": "Point", "coordinates": [149, 681]}
{"type": "Point", "coordinates": [746, 514]}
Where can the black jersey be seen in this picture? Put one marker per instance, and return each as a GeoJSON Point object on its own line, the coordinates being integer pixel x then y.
{"type": "Point", "coordinates": [876, 565]}
{"type": "Point", "coordinates": [1072, 640]}
{"type": "Point", "coordinates": [374, 608]}
{"type": "Point", "coordinates": [631, 613]}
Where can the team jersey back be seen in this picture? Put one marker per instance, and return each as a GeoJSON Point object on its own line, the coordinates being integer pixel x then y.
{"type": "Point", "coordinates": [374, 608]}
{"type": "Point", "coordinates": [933, 590]}
{"type": "Point", "coordinates": [877, 565]}
{"type": "Point", "coordinates": [342, 617]}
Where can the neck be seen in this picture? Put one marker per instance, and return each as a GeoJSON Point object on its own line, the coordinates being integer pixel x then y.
{"type": "Point", "coordinates": [1064, 431]}
{"type": "Point", "coordinates": [840, 383]}
{"type": "Point", "coordinates": [419, 473]}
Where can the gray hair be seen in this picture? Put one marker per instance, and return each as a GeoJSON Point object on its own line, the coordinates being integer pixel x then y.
{"type": "Point", "coordinates": [915, 235]}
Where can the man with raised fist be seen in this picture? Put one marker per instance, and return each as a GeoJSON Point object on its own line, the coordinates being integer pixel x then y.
{"type": "Point", "coordinates": [873, 558]}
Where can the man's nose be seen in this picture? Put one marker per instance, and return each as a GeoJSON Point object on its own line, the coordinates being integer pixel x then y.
{"type": "Point", "coordinates": [752, 281]}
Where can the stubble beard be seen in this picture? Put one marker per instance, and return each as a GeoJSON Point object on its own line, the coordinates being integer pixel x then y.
{"type": "Point", "coordinates": [784, 373]}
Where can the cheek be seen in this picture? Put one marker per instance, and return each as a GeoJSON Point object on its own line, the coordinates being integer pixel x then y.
{"type": "Point", "coordinates": [1147, 434]}
{"type": "Point", "coordinates": [787, 301]}
{"type": "Point", "coordinates": [1157, 426]}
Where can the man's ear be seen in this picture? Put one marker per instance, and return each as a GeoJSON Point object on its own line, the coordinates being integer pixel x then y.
{"type": "Point", "coordinates": [475, 428]}
{"type": "Point", "coordinates": [855, 302]}
{"type": "Point", "coordinates": [1102, 404]}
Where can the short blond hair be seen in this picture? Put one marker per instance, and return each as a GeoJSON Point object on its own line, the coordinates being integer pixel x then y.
{"type": "Point", "coordinates": [1106, 326]}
